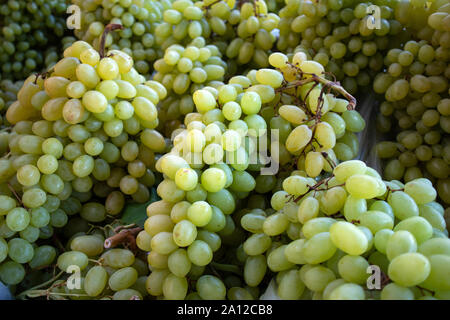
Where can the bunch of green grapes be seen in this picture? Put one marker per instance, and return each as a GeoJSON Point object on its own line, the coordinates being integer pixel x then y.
{"type": "Point", "coordinates": [416, 15]}
{"type": "Point", "coordinates": [322, 236]}
{"type": "Point", "coordinates": [247, 32]}
{"type": "Point", "coordinates": [182, 71]}
{"type": "Point", "coordinates": [338, 35]}
{"type": "Point", "coordinates": [83, 142]}
{"type": "Point", "coordinates": [137, 38]}
{"type": "Point", "coordinates": [315, 128]}
{"type": "Point", "coordinates": [219, 158]}
{"type": "Point", "coordinates": [106, 274]}
{"type": "Point", "coordinates": [242, 30]}
{"type": "Point", "coordinates": [438, 21]}
{"type": "Point", "coordinates": [416, 109]}
{"type": "Point", "coordinates": [28, 28]}
{"type": "Point", "coordinates": [209, 171]}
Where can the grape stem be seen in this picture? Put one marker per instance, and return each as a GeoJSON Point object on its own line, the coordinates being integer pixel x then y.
{"type": "Point", "coordinates": [29, 291]}
{"type": "Point", "coordinates": [125, 236]}
{"type": "Point", "coordinates": [392, 190]}
{"type": "Point", "coordinates": [110, 27]}
{"type": "Point", "coordinates": [206, 7]}
{"type": "Point", "coordinates": [317, 185]}
{"type": "Point", "coordinates": [15, 195]}
{"type": "Point", "coordinates": [327, 83]}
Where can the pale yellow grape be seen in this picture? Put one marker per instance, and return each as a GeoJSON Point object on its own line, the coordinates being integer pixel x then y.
{"type": "Point", "coordinates": [293, 114]}
{"type": "Point", "coordinates": [296, 185]}
{"type": "Point", "coordinates": [200, 213]}
{"type": "Point", "coordinates": [87, 75]}
{"type": "Point", "coordinates": [418, 226]}
{"type": "Point", "coordinates": [347, 291]}
{"type": "Point", "coordinates": [171, 163]}
{"type": "Point", "coordinates": [314, 101]}
{"type": "Point", "coordinates": [94, 101]}
{"type": "Point", "coordinates": [291, 287]}
{"type": "Point", "coordinates": [276, 260]}
{"type": "Point", "coordinates": [298, 138]}
{"type": "Point", "coordinates": [231, 140]}
{"type": "Point", "coordinates": [317, 278]}
{"type": "Point", "coordinates": [311, 66]}
{"type": "Point", "coordinates": [147, 92]}
{"type": "Point", "coordinates": [421, 190]}
{"type": "Point", "coordinates": [90, 56]}
{"type": "Point", "coordinates": [353, 269]}
{"type": "Point", "coordinates": [56, 86]}
{"type": "Point", "coordinates": [435, 246]}
{"type": "Point", "coordinates": [403, 205]}
{"type": "Point", "coordinates": [184, 233]}
{"type": "Point", "coordinates": [124, 61]}
{"type": "Point", "coordinates": [294, 251]}
{"type": "Point", "coordinates": [409, 269]}
{"type": "Point", "coordinates": [298, 58]}
{"type": "Point", "coordinates": [354, 208]}
{"type": "Point", "coordinates": [330, 287]}
{"type": "Point", "coordinates": [438, 280]}
{"type": "Point", "coordinates": [399, 243]}
{"type": "Point", "coordinates": [204, 100]}
{"type": "Point", "coordinates": [108, 69]}
{"type": "Point", "coordinates": [108, 88]}
{"type": "Point", "coordinates": [195, 141]}
{"type": "Point", "coordinates": [275, 224]}
{"type": "Point", "coordinates": [333, 200]}
{"type": "Point", "coordinates": [126, 89]}
{"type": "Point", "coordinates": [348, 238]}
{"type": "Point", "coordinates": [318, 248]}
{"type": "Point", "coordinates": [266, 92]}
{"type": "Point", "coordinates": [308, 209]}
{"type": "Point", "coordinates": [186, 179]}
{"type": "Point", "coordinates": [314, 163]}
{"type": "Point", "coordinates": [144, 108]}
{"type": "Point", "coordinates": [362, 186]}
{"type": "Point", "coordinates": [325, 135]}
{"type": "Point", "coordinates": [376, 220]}
{"type": "Point", "coordinates": [213, 153]}
{"type": "Point", "coordinates": [73, 111]}
{"type": "Point", "coordinates": [212, 133]}
{"type": "Point", "coordinates": [269, 77]}
{"type": "Point", "coordinates": [278, 199]}
{"type": "Point", "coordinates": [278, 60]}
{"type": "Point", "coordinates": [158, 87]}
{"type": "Point", "coordinates": [340, 105]}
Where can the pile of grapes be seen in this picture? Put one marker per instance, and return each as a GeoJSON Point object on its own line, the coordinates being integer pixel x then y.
{"type": "Point", "coordinates": [184, 149]}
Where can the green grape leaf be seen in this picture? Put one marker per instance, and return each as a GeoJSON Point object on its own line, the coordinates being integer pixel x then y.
{"type": "Point", "coordinates": [137, 212]}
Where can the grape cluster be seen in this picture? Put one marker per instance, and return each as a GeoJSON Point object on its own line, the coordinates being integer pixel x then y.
{"type": "Point", "coordinates": [28, 28]}
{"type": "Point", "coordinates": [216, 160]}
{"type": "Point", "coordinates": [247, 32]}
{"type": "Point", "coordinates": [183, 157]}
{"type": "Point", "coordinates": [339, 35]}
{"type": "Point", "coordinates": [137, 38]}
{"type": "Point", "coordinates": [182, 71]}
{"type": "Point", "coordinates": [314, 125]}
{"type": "Point", "coordinates": [83, 134]}
{"type": "Point", "coordinates": [323, 236]}
{"type": "Point", "coordinates": [242, 30]}
{"type": "Point", "coordinates": [416, 108]}
{"type": "Point", "coordinates": [113, 274]}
